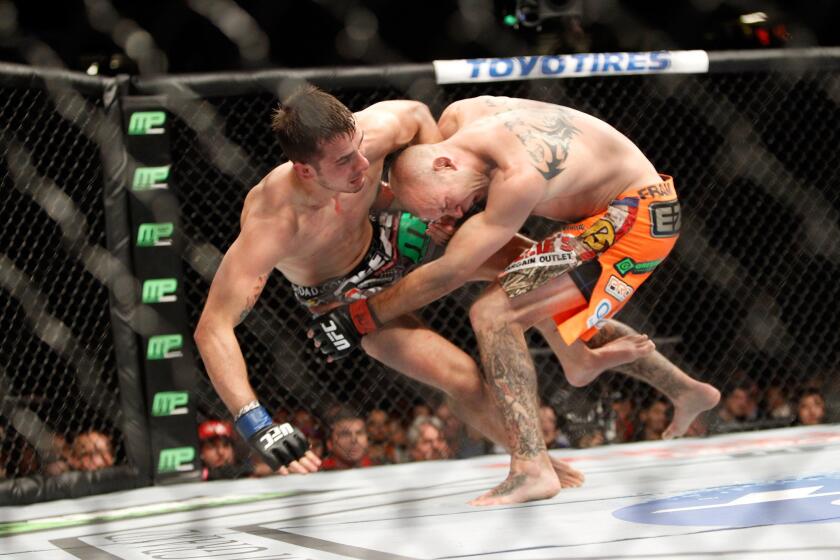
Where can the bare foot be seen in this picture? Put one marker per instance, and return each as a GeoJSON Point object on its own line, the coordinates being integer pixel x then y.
{"type": "Point", "coordinates": [688, 406]}
{"type": "Point", "coordinates": [622, 350]}
{"type": "Point", "coordinates": [569, 476]}
{"type": "Point", "coordinates": [527, 481]}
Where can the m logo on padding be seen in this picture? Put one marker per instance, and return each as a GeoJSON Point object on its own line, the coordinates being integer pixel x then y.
{"type": "Point", "coordinates": [146, 122]}
{"type": "Point", "coordinates": [176, 459]}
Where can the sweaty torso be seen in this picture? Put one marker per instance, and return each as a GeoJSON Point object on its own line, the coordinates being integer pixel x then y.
{"type": "Point", "coordinates": [579, 162]}
{"type": "Point", "coordinates": [321, 239]}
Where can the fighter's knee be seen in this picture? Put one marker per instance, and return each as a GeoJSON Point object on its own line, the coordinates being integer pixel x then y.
{"type": "Point", "coordinates": [464, 380]}
{"type": "Point", "coordinates": [490, 309]}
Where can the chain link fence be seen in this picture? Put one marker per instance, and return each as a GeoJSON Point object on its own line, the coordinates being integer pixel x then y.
{"type": "Point", "coordinates": [58, 378]}
{"type": "Point", "coordinates": [746, 298]}
{"type": "Point", "coordinates": [741, 301]}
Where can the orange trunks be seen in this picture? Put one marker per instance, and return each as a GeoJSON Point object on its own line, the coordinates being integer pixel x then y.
{"type": "Point", "coordinates": [608, 256]}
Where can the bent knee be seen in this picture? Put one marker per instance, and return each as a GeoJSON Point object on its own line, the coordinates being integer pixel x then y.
{"type": "Point", "coordinates": [490, 309]}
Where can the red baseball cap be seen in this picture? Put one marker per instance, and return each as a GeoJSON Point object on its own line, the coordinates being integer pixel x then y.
{"type": "Point", "coordinates": [213, 429]}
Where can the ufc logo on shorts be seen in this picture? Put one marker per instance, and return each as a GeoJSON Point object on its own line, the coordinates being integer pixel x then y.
{"type": "Point", "coordinates": [337, 339]}
{"type": "Point", "coordinates": [275, 434]}
{"type": "Point", "coordinates": [665, 219]}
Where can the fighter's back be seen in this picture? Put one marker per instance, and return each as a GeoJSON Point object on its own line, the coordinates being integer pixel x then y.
{"type": "Point", "coordinates": [580, 161]}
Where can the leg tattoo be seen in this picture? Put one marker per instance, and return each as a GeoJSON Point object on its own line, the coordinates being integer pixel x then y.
{"type": "Point", "coordinates": [690, 397]}
{"type": "Point", "coordinates": [653, 369]}
{"type": "Point", "coordinates": [512, 379]}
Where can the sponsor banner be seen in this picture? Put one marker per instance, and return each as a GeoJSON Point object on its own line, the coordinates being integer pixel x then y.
{"type": "Point", "coordinates": [570, 66]}
{"type": "Point", "coordinates": [169, 370]}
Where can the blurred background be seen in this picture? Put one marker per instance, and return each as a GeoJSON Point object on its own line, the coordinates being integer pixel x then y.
{"type": "Point", "coordinates": [154, 37]}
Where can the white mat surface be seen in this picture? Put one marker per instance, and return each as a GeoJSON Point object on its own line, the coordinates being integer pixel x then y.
{"type": "Point", "coordinates": [772, 494]}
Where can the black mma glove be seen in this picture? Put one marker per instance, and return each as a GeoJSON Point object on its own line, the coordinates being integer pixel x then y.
{"type": "Point", "coordinates": [342, 329]}
{"type": "Point", "coordinates": [277, 444]}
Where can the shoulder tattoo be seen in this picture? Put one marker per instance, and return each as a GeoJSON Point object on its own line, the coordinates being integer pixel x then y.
{"type": "Point", "coordinates": [547, 138]}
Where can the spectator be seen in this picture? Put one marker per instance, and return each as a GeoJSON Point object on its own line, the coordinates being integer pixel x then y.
{"type": "Point", "coordinates": [776, 405]}
{"type": "Point", "coordinates": [18, 458]}
{"type": "Point", "coordinates": [58, 461]}
{"type": "Point", "coordinates": [426, 441]}
{"type": "Point", "coordinates": [553, 437]}
{"type": "Point", "coordinates": [810, 408]}
{"type": "Point", "coordinates": [624, 409]}
{"type": "Point", "coordinates": [281, 416]}
{"type": "Point", "coordinates": [653, 419]}
{"type": "Point", "coordinates": [472, 443]}
{"type": "Point", "coordinates": [92, 451]}
{"type": "Point", "coordinates": [463, 440]}
{"type": "Point", "coordinates": [397, 442]}
{"type": "Point", "coordinates": [453, 428]}
{"type": "Point", "coordinates": [734, 410]}
{"type": "Point", "coordinates": [347, 446]}
{"type": "Point", "coordinates": [420, 409]}
{"type": "Point", "coordinates": [305, 422]}
{"type": "Point", "coordinates": [316, 444]}
{"type": "Point", "coordinates": [591, 436]}
{"type": "Point", "coordinates": [216, 444]}
{"type": "Point", "coordinates": [377, 430]}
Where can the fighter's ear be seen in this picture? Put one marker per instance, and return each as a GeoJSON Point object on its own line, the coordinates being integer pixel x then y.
{"type": "Point", "coordinates": [304, 170]}
{"type": "Point", "coordinates": [443, 162]}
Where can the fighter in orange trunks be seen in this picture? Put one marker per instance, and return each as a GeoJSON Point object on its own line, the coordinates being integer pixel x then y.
{"type": "Point", "coordinates": [530, 158]}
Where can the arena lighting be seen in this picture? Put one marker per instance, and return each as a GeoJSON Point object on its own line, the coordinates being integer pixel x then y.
{"type": "Point", "coordinates": [533, 13]}
{"type": "Point", "coordinates": [753, 18]}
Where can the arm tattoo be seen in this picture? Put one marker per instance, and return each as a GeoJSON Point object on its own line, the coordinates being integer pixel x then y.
{"type": "Point", "coordinates": [513, 383]}
{"type": "Point", "coordinates": [547, 137]}
{"type": "Point", "coordinates": [252, 298]}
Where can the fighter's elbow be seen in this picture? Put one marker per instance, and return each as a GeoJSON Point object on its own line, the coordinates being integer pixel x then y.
{"type": "Point", "coordinates": [201, 334]}
{"type": "Point", "coordinates": [205, 332]}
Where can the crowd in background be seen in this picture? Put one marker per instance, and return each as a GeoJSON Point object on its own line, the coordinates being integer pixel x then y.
{"type": "Point", "coordinates": [90, 450]}
{"type": "Point", "coordinates": [345, 438]}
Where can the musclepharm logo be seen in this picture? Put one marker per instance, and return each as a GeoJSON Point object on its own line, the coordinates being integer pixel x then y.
{"type": "Point", "coordinates": [337, 339]}
{"type": "Point", "coordinates": [146, 122]}
{"type": "Point", "coordinates": [148, 178]}
{"type": "Point", "coordinates": [170, 403]}
{"type": "Point", "coordinates": [176, 459]}
{"type": "Point", "coordinates": [814, 499]}
{"type": "Point", "coordinates": [160, 290]}
{"type": "Point", "coordinates": [165, 347]}
{"type": "Point", "coordinates": [155, 234]}
{"type": "Point", "coordinates": [275, 434]}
